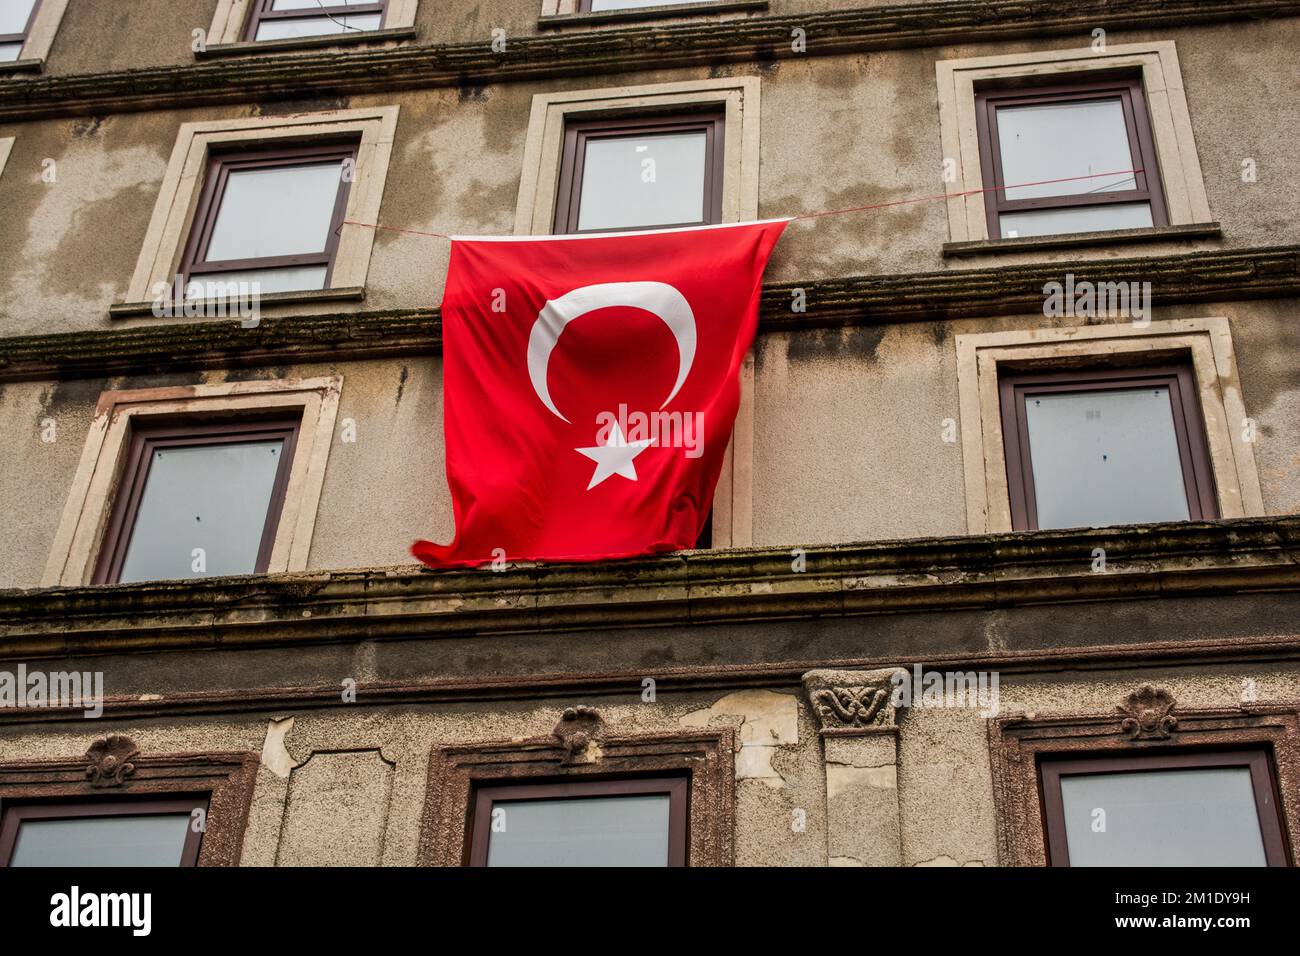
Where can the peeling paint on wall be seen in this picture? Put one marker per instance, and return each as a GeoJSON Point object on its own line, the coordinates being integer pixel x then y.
{"type": "Point", "coordinates": [768, 720]}
{"type": "Point", "coordinates": [275, 756]}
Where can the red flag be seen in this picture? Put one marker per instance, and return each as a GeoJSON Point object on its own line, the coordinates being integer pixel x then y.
{"type": "Point", "coordinates": [590, 385]}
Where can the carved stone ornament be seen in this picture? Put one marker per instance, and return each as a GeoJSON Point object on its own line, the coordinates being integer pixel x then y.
{"type": "Point", "coordinates": [579, 732]}
{"type": "Point", "coordinates": [109, 760]}
{"type": "Point", "coordinates": [850, 700]}
{"type": "Point", "coordinates": [1146, 714]}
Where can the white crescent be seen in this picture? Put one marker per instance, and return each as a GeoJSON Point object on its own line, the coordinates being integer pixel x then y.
{"type": "Point", "coordinates": [658, 298]}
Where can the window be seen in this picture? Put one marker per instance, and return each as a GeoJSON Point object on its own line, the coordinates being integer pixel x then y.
{"type": "Point", "coordinates": [16, 17]}
{"type": "Point", "coordinates": [270, 217]}
{"type": "Point", "coordinates": [695, 179]}
{"type": "Point", "coordinates": [102, 833]}
{"type": "Point", "coordinates": [1064, 132]}
{"type": "Point", "coordinates": [235, 468]}
{"type": "Point", "coordinates": [116, 806]}
{"type": "Point", "coordinates": [1196, 364]}
{"type": "Point", "coordinates": [1103, 447]}
{"type": "Point", "coordinates": [1011, 119]}
{"type": "Point", "coordinates": [639, 822]}
{"type": "Point", "coordinates": [1195, 809]}
{"type": "Point", "coordinates": [301, 230]}
{"type": "Point", "coordinates": [582, 796]}
{"type": "Point", "coordinates": [644, 173]}
{"type": "Point", "coordinates": [198, 500]}
{"type": "Point", "coordinates": [288, 19]}
{"type": "Point", "coordinates": [1213, 784]}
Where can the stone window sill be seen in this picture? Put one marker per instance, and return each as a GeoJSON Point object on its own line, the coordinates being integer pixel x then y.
{"type": "Point", "coordinates": [993, 247]}
{"type": "Point", "coordinates": [253, 47]}
{"type": "Point", "coordinates": [22, 66]}
{"type": "Point", "coordinates": [136, 310]}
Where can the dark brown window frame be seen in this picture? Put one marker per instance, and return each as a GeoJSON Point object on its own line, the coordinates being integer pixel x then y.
{"type": "Point", "coordinates": [1256, 760]}
{"type": "Point", "coordinates": [22, 37]}
{"type": "Point", "coordinates": [704, 542]}
{"type": "Point", "coordinates": [1148, 721]}
{"type": "Point", "coordinates": [170, 432]}
{"type": "Point", "coordinates": [260, 11]}
{"type": "Point", "coordinates": [1189, 429]}
{"type": "Point", "coordinates": [675, 787]}
{"type": "Point", "coordinates": [1141, 145]}
{"type": "Point", "coordinates": [224, 779]}
{"type": "Point", "coordinates": [221, 163]}
{"type": "Point", "coordinates": [16, 814]}
{"type": "Point", "coordinates": [458, 775]}
{"type": "Point", "coordinates": [573, 157]}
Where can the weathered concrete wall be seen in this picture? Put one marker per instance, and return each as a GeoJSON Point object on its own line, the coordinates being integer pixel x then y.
{"type": "Point", "coordinates": [849, 442]}
{"type": "Point", "coordinates": [836, 131]}
{"type": "Point", "coordinates": [944, 773]}
{"type": "Point", "coordinates": [347, 786]}
{"type": "Point", "coordinates": [848, 439]}
{"type": "Point", "coordinates": [381, 492]}
{"type": "Point", "coordinates": [98, 37]}
{"type": "Point", "coordinates": [388, 760]}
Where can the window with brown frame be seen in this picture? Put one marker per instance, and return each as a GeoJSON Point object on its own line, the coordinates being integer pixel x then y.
{"type": "Point", "coordinates": [1090, 448]}
{"type": "Point", "coordinates": [106, 832]}
{"type": "Point", "coordinates": [648, 172]}
{"type": "Point", "coordinates": [1068, 159]}
{"type": "Point", "coordinates": [621, 822]}
{"type": "Point", "coordinates": [289, 19]}
{"type": "Point", "coordinates": [269, 217]}
{"type": "Point", "coordinates": [198, 499]}
{"type": "Point", "coordinates": [16, 18]}
{"type": "Point", "coordinates": [1172, 809]}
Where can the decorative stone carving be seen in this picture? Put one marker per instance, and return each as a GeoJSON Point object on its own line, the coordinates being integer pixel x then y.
{"type": "Point", "coordinates": [579, 732]}
{"type": "Point", "coordinates": [109, 760]}
{"type": "Point", "coordinates": [848, 701]}
{"type": "Point", "coordinates": [1146, 714]}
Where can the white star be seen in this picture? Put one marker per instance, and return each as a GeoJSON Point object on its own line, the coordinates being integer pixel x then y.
{"type": "Point", "coordinates": [614, 457]}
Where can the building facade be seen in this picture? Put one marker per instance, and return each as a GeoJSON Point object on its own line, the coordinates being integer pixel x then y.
{"type": "Point", "coordinates": [1004, 564]}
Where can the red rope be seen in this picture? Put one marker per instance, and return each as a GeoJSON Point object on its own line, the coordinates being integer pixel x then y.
{"type": "Point", "coordinates": [374, 225]}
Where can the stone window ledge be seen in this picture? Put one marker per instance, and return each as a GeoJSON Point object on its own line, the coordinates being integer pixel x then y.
{"type": "Point", "coordinates": [254, 47]}
{"type": "Point", "coordinates": [135, 310]}
{"type": "Point", "coordinates": [992, 247]}
{"type": "Point", "coordinates": [636, 14]}
{"type": "Point", "coordinates": [34, 65]}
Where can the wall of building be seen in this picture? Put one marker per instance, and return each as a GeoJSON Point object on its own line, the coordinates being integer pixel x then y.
{"type": "Point", "coordinates": [848, 439]}
{"type": "Point", "coordinates": [848, 446]}
{"type": "Point", "coordinates": [836, 131]}
{"type": "Point", "coordinates": [347, 786]}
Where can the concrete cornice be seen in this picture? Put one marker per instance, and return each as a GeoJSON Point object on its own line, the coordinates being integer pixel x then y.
{"type": "Point", "coordinates": [707, 587]}
{"type": "Point", "coordinates": [1228, 275]}
{"type": "Point", "coordinates": [761, 39]}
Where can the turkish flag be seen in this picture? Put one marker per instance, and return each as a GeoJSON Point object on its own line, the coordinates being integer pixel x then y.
{"type": "Point", "coordinates": [590, 387]}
